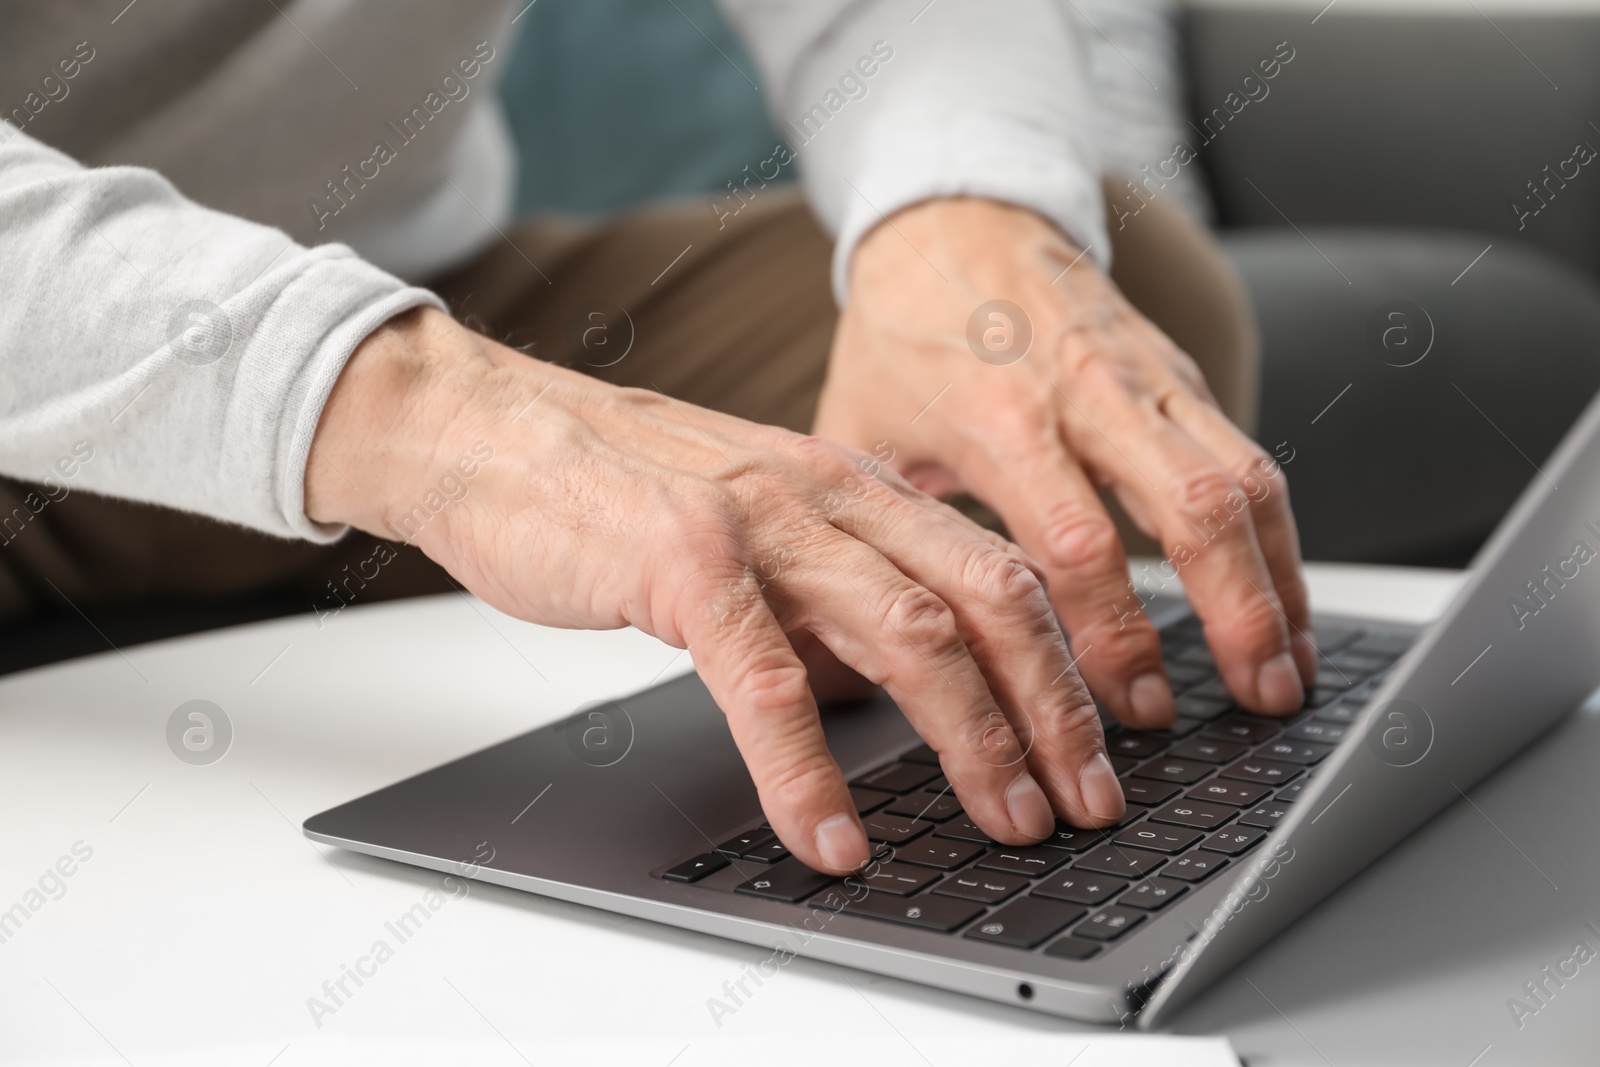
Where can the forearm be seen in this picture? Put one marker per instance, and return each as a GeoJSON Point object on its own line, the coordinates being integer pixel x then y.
{"type": "Point", "coordinates": [191, 349]}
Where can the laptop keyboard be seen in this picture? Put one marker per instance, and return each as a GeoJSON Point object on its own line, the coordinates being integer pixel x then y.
{"type": "Point", "coordinates": [1200, 795]}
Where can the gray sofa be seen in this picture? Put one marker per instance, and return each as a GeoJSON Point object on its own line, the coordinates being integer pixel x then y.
{"type": "Point", "coordinates": [1392, 151]}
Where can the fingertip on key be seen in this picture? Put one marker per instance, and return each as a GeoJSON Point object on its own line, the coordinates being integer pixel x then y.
{"type": "Point", "coordinates": [1029, 808]}
{"type": "Point", "coordinates": [1100, 790]}
{"type": "Point", "coordinates": [1150, 698]}
{"type": "Point", "coordinates": [841, 842]}
{"type": "Point", "coordinates": [1278, 684]}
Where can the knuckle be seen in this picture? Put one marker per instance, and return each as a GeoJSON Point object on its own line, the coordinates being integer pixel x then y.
{"type": "Point", "coordinates": [925, 621]}
{"type": "Point", "coordinates": [1074, 722]}
{"type": "Point", "coordinates": [1075, 537]}
{"type": "Point", "coordinates": [1207, 493]}
{"type": "Point", "coordinates": [999, 577]}
{"type": "Point", "coordinates": [799, 782]}
{"type": "Point", "coordinates": [989, 738]}
{"type": "Point", "coordinates": [770, 690]}
{"type": "Point", "coordinates": [1257, 623]}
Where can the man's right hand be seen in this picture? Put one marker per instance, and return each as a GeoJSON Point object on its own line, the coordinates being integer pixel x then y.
{"type": "Point", "coordinates": [604, 507]}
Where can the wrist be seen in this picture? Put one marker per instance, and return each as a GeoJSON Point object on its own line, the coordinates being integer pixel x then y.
{"type": "Point", "coordinates": [389, 413]}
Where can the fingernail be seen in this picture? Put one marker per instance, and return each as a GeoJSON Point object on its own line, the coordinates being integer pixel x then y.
{"type": "Point", "coordinates": [1029, 807]}
{"type": "Point", "coordinates": [1151, 700]}
{"type": "Point", "coordinates": [1278, 684]}
{"type": "Point", "coordinates": [841, 843]}
{"type": "Point", "coordinates": [1099, 788]}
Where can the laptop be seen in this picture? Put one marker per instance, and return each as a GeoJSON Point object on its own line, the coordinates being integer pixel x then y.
{"type": "Point", "coordinates": [1236, 825]}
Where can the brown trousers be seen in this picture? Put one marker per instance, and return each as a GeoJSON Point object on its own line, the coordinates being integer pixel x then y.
{"type": "Point", "coordinates": [733, 314]}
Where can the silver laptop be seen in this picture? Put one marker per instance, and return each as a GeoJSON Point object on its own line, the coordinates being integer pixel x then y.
{"type": "Point", "coordinates": [1236, 824]}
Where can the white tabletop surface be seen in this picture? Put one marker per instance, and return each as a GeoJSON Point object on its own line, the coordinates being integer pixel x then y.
{"type": "Point", "coordinates": [202, 921]}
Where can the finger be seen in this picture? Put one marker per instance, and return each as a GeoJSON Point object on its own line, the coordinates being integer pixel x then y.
{"type": "Point", "coordinates": [901, 635]}
{"type": "Point", "coordinates": [831, 681]}
{"type": "Point", "coordinates": [1006, 620]}
{"type": "Point", "coordinates": [1266, 487]}
{"type": "Point", "coordinates": [1052, 509]}
{"type": "Point", "coordinates": [1205, 527]}
{"type": "Point", "coordinates": [754, 675]}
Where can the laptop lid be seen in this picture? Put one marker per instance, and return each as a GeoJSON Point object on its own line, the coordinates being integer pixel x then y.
{"type": "Point", "coordinates": [1517, 650]}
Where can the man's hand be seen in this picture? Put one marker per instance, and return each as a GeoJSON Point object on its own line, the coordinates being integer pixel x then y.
{"type": "Point", "coordinates": [601, 507]}
{"type": "Point", "coordinates": [1098, 397]}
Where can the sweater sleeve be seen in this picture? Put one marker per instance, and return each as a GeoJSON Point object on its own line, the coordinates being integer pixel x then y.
{"type": "Point", "coordinates": [886, 103]}
{"type": "Point", "coordinates": [187, 352]}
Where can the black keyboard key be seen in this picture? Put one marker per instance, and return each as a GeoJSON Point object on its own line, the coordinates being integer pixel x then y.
{"type": "Point", "coordinates": [696, 867]}
{"type": "Point", "coordinates": [1188, 675]}
{"type": "Point", "coordinates": [1152, 894]}
{"type": "Point", "coordinates": [1323, 695]}
{"type": "Point", "coordinates": [1154, 835]}
{"type": "Point", "coordinates": [1132, 813]}
{"type": "Point", "coordinates": [1391, 645]}
{"type": "Point", "coordinates": [1234, 841]}
{"type": "Point", "coordinates": [1363, 663]}
{"type": "Point", "coordinates": [1333, 677]}
{"type": "Point", "coordinates": [901, 879]}
{"type": "Point", "coordinates": [1026, 922]}
{"type": "Point", "coordinates": [898, 777]}
{"type": "Point", "coordinates": [1070, 948]}
{"type": "Point", "coordinates": [1330, 636]}
{"type": "Point", "coordinates": [1197, 866]}
{"type": "Point", "coordinates": [1207, 750]}
{"type": "Point", "coordinates": [769, 851]}
{"type": "Point", "coordinates": [1265, 815]}
{"type": "Point", "coordinates": [986, 887]}
{"type": "Point", "coordinates": [921, 754]}
{"type": "Point", "coordinates": [1194, 706]}
{"type": "Point", "coordinates": [1108, 924]}
{"type": "Point", "coordinates": [1080, 887]}
{"type": "Point", "coordinates": [867, 800]}
{"type": "Point", "coordinates": [1135, 745]}
{"type": "Point", "coordinates": [1291, 793]}
{"type": "Point", "coordinates": [1304, 753]}
{"type": "Point", "coordinates": [1322, 733]}
{"type": "Point", "coordinates": [962, 828]}
{"type": "Point", "coordinates": [929, 912]}
{"type": "Point", "coordinates": [932, 852]}
{"type": "Point", "coordinates": [1145, 791]}
{"type": "Point", "coordinates": [1244, 729]}
{"type": "Point", "coordinates": [893, 829]}
{"type": "Point", "coordinates": [1123, 764]}
{"type": "Point", "coordinates": [1215, 689]}
{"type": "Point", "coordinates": [1343, 712]}
{"type": "Point", "coordinates": [1179, 729]}
{"type": "Point", "coordinates": [1183, 772]}
{"type": "Point", "coordinates": [1263, 771]}
{"type": "Point", "coordinates": [933, 807]}
{"type": "Point", "coordinates": [1031, 860]}
{"type": "Point", "coordinates": [788, 880]}
{"type": "Point", "coordinates": [1226, 791]}
{"type": "Point", "coordinates": [1196, 813]}
{"type": "Point", "coordinates": [739, 844]}
{"type": "Point", "coordinates": [1119, 861]}
{"type": "Point", "coordinates": [1071, 838]}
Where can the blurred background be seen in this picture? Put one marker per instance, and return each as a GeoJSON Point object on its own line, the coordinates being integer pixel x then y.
{"type": "Point", "coordinates": [1412, 207]}
{"type": "Point", "coordinates": [1385, 158]}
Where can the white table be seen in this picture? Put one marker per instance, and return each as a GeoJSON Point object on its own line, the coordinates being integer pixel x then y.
{"type": "Point", "coordinates": [203, 920]}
